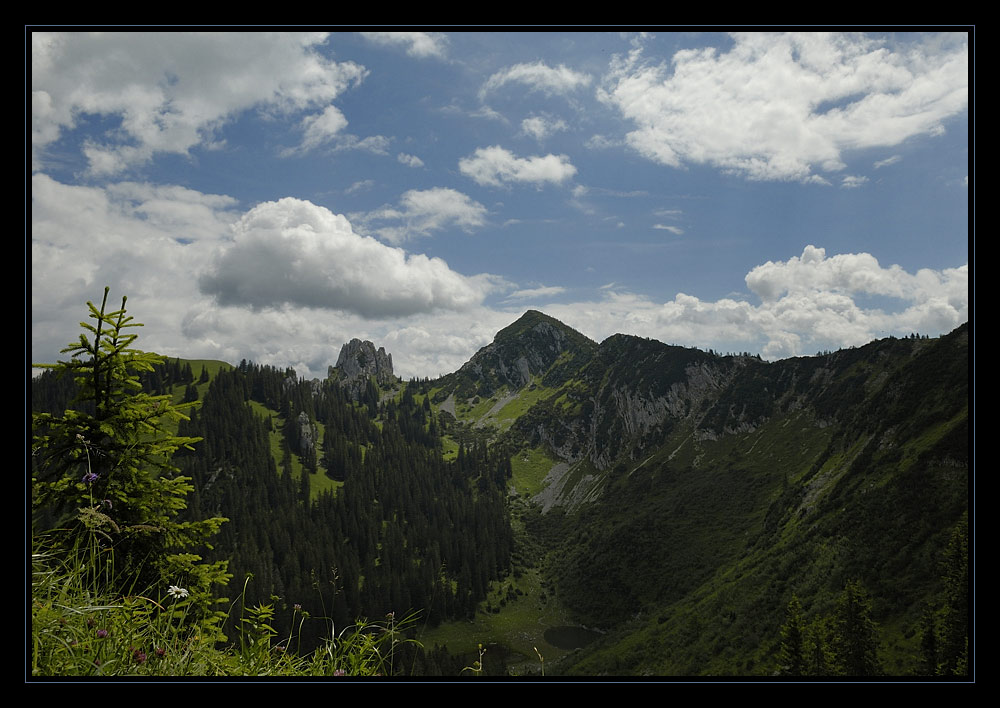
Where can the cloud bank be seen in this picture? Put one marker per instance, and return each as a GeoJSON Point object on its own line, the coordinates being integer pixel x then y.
{"type": "Point", "coordinates": [808, 303]}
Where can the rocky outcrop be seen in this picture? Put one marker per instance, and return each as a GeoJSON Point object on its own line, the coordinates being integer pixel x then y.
{"type": "Point", "coordinates": [308, 435]}
{"type": "Point", "coordinates": [358, 362]}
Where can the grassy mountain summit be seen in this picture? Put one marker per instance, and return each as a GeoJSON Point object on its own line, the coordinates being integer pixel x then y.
{"type": "Point", "coordinates": [535, 346]}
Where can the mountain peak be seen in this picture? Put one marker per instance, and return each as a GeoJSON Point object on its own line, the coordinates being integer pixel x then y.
{"type": "Point", "coordinates": [532, 319]}
{"type": "Point", "coordinates": [535, 345]}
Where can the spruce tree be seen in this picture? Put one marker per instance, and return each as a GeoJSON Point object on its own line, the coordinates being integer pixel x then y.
{"type": "Point", "coordinates": [791, 656]}
{"type": "Point", "coordinates": [928, 642]}
{"type": "Point", "coordinates": [817, 651]}
{"type": "Point", "coordinates": [955, 612]}
{"type": "Point", "coordinates": [105, 467]}
{"type": "Point", "coordinates": [855, 639]}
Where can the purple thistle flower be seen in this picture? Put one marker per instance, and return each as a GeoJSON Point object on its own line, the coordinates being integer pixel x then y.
{"type": "Point", "coordinates": [89, 478]}
{"type": "Point", "coordinates": [102, 633]}
{"type": "Point", "coordinates": [340, 672]}
{"type": "Point", "coordinates": [139, 655]}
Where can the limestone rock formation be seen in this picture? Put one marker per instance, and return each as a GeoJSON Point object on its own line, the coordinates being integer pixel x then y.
{"type": "Point", "coordinates": [360, 361]}
{"type": "Point", "coordinates": [308, 435]}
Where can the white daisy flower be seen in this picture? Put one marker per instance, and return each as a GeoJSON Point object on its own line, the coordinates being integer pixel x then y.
{"type": "Point", "coordinates": [177, 591]}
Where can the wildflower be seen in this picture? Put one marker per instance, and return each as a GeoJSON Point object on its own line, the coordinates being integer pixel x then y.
{"type": "Point", "coordinates": [160, 652]}
{"type": "Point", "coordinates": [102, 633]}
{"type": "Point", "coordinates": [91, 622]}
{"type": "Point", "coordinates": [107, 504]}
{"type": "Point", "coordinates": [89, 478]}
{"type": "Point", "coordinates": [139, 655]}
{"type": "Point", "coordinates": [297, 607]}
{"type": "Point", "coordinates": [175, 591]}
{"type": "Point", "coordinates": [340, 672]}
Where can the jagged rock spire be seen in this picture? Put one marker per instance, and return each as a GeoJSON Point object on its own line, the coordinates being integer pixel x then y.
{"type": "Point", "coordinates": [359, 361]}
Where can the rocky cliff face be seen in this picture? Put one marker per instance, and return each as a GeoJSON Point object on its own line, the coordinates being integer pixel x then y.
{"type": "Point", "coordinates": [630, 396]}
{"type": "Point", "coordinates": [634, 392]}
{"type": "Point", "coordinates": [359, 361]}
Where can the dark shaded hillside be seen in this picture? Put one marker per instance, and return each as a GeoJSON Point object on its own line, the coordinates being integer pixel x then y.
{"type": "Point", "coordinates": [768, 480]}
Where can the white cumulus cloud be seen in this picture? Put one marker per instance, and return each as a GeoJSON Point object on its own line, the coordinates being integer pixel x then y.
{"type": "Point", "coordinates": [174, 91]}
{"type": "Point", "coordinates": [854, 273]}
{"type": "Point", "coordinates": [297, 253]}
{"type": "Point", "coordinates": [808, 303]}
{"type": "Point", "coordinates": [322, 127]}
{"type": "Point", "coordinates": [422, 211]}
{"type": "Point", "coordinates": [541, 127]}
{"type": "Point", "coordinates": [494, 165]}
{"type": "Point", "coordinates": [781, 106]}
{"type": "Point", "coordinates": [409, 160]}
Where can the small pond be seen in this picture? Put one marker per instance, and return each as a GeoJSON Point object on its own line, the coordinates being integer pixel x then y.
{"type": "Point", "coordinates": [569, 638]}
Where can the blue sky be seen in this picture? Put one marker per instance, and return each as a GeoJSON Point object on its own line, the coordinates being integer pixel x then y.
{"type": "Point", "coordinates": [271, 196]}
